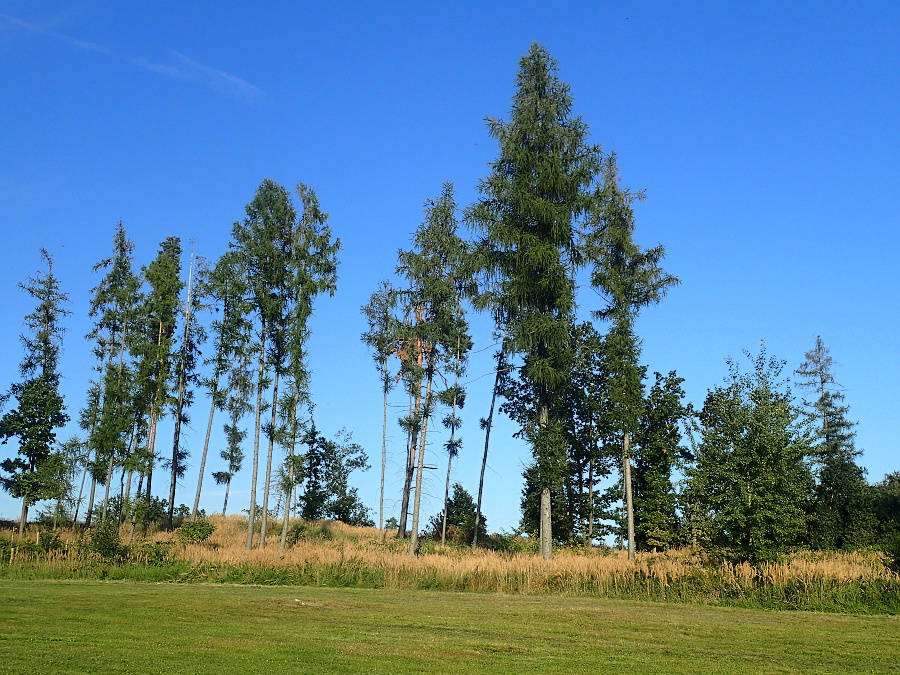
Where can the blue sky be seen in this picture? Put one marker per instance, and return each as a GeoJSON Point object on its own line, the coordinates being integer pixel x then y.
{"type": "Point", "coordinates": [764, 134]}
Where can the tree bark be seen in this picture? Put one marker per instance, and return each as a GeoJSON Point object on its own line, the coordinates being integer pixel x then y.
{"type": "Point", "coordinates": [381, 532]}
{"type": "Point", "coordinates": [546, 535]}
{"type": "Point", "coordinates": [412, 444]}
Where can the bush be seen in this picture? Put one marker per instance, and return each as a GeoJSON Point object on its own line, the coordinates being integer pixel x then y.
{"type": "Point", "coordinates": [195, 532]}
{"type": "Point", "coordinates": [104, 539]}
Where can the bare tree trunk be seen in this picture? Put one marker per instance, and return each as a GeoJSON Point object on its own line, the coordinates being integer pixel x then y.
{"type": "Point", "coordinates": [414, 533]}
{"type": "Point", "coordinates": [289, 497]}
{"type": "Point", "coordinates": [546, 524]}
{"type": "Point", "coordinates": [412, 444]}
{"type": "Point", "coordinates": [446, 500]}
{"type": "Point", "coordinates": [266, 485]}
{"type": "Point", "coordinates": [90, 508]}
{"type": "Point", "coordinates": [209, 425]}
{"type": "Point", "coordinates": [227, 490]}
{"type": "Point", "coordinates": [488, 423]}
{"type": "Point", "coordinates": [546, 540]}
{"type": "Point", "coordinates": [626, 479]}
{"type": "Point", "coordinates": [23, 517]}
{"type": "Point", "coordinates": [383, 465]}
{"type": "Point", "coordinates": [251, 516]}
{"type": "Point", "coordinates": [80, 495]}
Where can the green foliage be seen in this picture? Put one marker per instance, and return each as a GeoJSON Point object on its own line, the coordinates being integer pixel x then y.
{"type": "Point", "coordinates": [658, 452]}
{"type": "Point", "coordinates": [460, 519]}
{"type": "Point", "coordinates": [327, 492]}
{"type": "Point", "coordinates": [842, 511]}
{"type": "Point", "coordinates": [195, 531]}
{"type": "Point", "coordinates": [538, 188]}
{"type": "Point", "coordinates": [750, 484]}
{"type": "Point", "coordinates": [35, 474]}
{"type": "Point", "coordinates": [103, 539]}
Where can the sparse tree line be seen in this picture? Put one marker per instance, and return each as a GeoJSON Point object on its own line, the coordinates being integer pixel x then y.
{"type": "Point", "coordinates": [614, 453]}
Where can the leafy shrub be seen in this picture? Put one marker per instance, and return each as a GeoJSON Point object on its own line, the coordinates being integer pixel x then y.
{"type": "Point", "coordinates": [104, 539]}
{"type": "Point", "coordinates": [155, 553]}
{"type": "Point", "coordinates": [49, 541]}
{"type": "Point", "coordinates": [195, 532]}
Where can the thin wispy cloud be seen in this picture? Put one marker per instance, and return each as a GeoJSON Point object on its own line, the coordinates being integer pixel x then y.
{"type": "Point", "coordinates": [180, 67]}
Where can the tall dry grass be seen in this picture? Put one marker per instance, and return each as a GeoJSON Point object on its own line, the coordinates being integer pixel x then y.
{"type": "Point", "coordinates": [334, 554]}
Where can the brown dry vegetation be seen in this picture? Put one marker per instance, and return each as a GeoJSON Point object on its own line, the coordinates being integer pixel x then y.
{"type": "Point", "coordinates": [334, 554]}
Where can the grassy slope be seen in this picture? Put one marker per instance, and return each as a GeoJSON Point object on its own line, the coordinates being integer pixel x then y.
{"type": "Point", "coordinates": [111, 627]}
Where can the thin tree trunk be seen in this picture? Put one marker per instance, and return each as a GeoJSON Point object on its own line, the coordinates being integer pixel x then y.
{"type": "Point", "coordinates": [289, 497]}
{"type": "Point", "coordinates": [227, 490]}
{"type": "Point", "coordinates": [182, 384]}
{"type": "Point", "coordinates": [80, 496]}
{"type": "Point", "coordinates": [381, 532]}
{"type": "Point", "coordinates": [90, 508]}
{"type": "Point", "coordinates": [452, 449]}
{"type": "Point", "coordinates": [629, 505]}
{"type": "Point", "coordinates": [209, 425]}
{"type": "Point", "coordinates": [412, 444]}
{"type": "Point", "coordinates": [266, 485]}
{"type": "Point", "coordinates": [414, 533]}
{"type": "Point", "coordinates": [251, 516]}
{"type": "Point", "coordinates": [109, 477]}
{"type": "Point", "coordinates": [126, 497]}
{"type": "Point", "coordinates": [151, 458]}
{"type": "Point", "coordinates": [546, 541]}
{"type": "Point", "coordinates": [446, 500]}
{"type": "Point", "coordinates": [137, 492]}
{"type": "Point", "coordinates": [489, 422]}
{"type": "Point", "coordinates": [590, 528]}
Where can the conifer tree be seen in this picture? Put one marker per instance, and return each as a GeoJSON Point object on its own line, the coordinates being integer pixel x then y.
{"type": "Point", "coordinates": [439, 280]}
{"type": "Point", "coordinates": [115, 404]}
{"type": "Point", "coordinates": [842, 514]}
{"type": "Point", "coordinates": [538, 188]}
{"type": "Point", "coordinates": [155, 347]}
{"type": "Point", "coordinates": [658, 453]}
{"type": "Point", "coordinates": [40, 409]}
{"type": "Point", "coordinates": [630, 279]}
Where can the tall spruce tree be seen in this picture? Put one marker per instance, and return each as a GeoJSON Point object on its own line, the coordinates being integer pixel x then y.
{"type": "Point", "coordinates": [842, 515]}
{"type": "Point", "coordinates": [39, 410]}
{"type": "Point", "coordinates": [538, 188]}
{"type": "Point", "coordinates": [630, 279]}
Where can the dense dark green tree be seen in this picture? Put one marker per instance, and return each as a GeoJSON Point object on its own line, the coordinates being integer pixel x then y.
{"type": "Point", "coordinates": [539, 186]}
{"type": "Point", "coordinates": [750, 482]}
{"type": "Point", "coordinates": [658, 453]}
{"type": "Point", "coordinates": [886, 500]}
{"type": "Point", "coordinates": [456, 522]}
{"type": "Point", "coordinates": [842, 516]}
{"type": "Point", "coordinates": [39, 410]}
{"type": "Point", "coordinates": [436, 338]}
{"type": "Point", "coordinates": [630, 279]}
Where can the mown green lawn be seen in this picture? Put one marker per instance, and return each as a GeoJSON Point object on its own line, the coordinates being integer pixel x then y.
{"type": "Point", "coordinates": [119, 627]}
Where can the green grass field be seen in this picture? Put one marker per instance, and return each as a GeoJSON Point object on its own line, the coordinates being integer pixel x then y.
{"type": "Point", "coordinates": [121, 627]}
